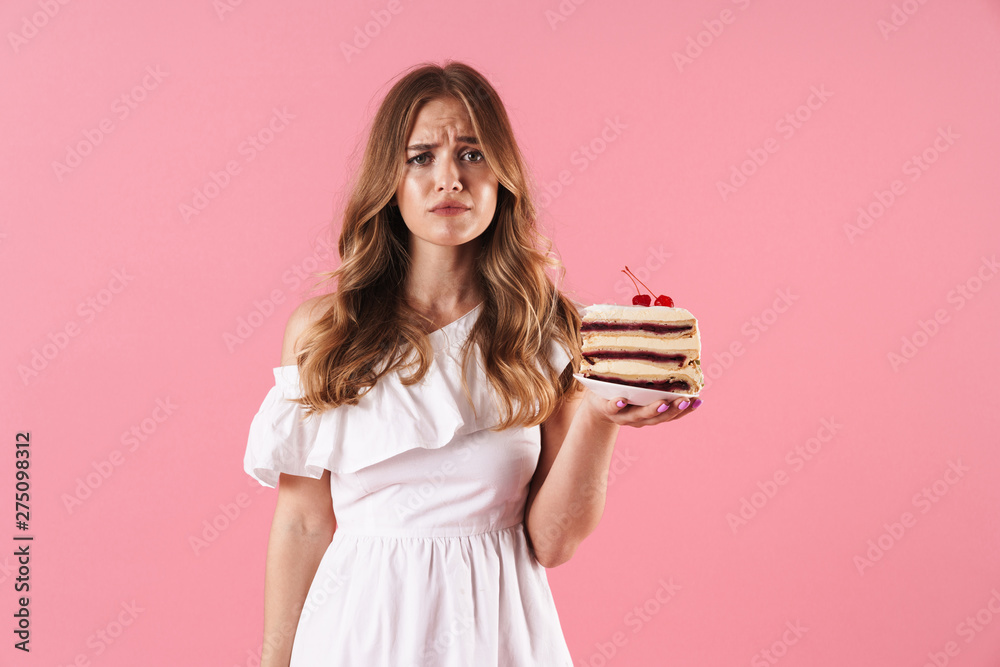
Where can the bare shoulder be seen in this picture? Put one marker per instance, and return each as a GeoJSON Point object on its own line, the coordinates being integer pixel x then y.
{"type": "Point", "coordinates": [304, 504]}
{"type": "Point", "coordinates": [307, 313]}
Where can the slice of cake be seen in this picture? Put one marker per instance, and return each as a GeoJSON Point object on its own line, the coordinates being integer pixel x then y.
{"type": "Point", "coordinates": [655, 347]}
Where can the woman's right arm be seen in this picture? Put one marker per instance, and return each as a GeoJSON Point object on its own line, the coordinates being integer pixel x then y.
{"type": "Point", "coordinates": [299, 537]}
{"type": "Point", "coordinates": [301, 530]}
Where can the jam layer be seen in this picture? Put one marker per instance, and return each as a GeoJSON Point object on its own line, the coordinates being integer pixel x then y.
{"type": "Point", "coordinates": [651, 327]}
{"type": "Point", "coordinates": [635, 354]}
{"type": "Point", "coordinates": [682, 386]}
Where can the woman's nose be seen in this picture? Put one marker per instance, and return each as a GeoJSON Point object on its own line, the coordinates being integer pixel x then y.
{"type": "Point", "coordinates": [448, 176]}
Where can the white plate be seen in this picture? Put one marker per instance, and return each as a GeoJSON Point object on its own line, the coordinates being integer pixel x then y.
{"type": "Point", "coordinates": [634, 395]}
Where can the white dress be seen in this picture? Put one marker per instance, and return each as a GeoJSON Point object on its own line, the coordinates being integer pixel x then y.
{"type": "Point", "coordinates": [429, 565]}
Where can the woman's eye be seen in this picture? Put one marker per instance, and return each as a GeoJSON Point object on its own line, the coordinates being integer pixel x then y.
{"type": "Point", "coordinates": [421, 159]}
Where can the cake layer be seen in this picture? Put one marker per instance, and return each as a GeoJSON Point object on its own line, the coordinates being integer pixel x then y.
{"type": "Point", "coordinates": [677, 329]}
{"type": "Point", "coordinates": [641, 339]}
{"type": "Point", "coordinates": [613, 312]}
{"type": "Point", "coordinates": [674, 359]}
{"type": "Point", "coordinates": [678, 351]}
{"type": "Point", "coordinates": [614, 341]}
{"type": "Point", "coordinates": [639, 320]}
{"type": "Point", "coordinates": [679, 386]}
{"type": "Point", "coordinates": [637, 368]}
{"type": "Point", "coordinates": [642, 373]}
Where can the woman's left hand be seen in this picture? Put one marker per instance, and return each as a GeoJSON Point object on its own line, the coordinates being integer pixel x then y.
{"type": "Point", "coordinates": [619, 411]}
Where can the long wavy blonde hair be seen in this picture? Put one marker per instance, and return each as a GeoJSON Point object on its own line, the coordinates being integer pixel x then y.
{"type": "Point", "coordinates": [369, 330]}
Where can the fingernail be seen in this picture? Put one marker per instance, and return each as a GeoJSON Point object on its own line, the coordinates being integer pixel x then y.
{"type": "Point", "coordinates": [621, 404]}
{"type": "Point", "coordinates": [696, 403]}
{"type": "Point", "coordinates": [682, 405]}
{"type": "Point", "coordinates": [663, 408]}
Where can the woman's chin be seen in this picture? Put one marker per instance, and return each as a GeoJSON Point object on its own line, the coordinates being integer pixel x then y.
{"type": "Point", "coordinates": [448, 239]}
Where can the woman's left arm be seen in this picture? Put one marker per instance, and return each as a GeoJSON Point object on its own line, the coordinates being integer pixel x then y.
{"type": "Point", "coordinates": [567, 492]}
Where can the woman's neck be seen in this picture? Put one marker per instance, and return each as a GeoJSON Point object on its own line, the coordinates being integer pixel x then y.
{"type": "Point", "coordinates": [442, 279]}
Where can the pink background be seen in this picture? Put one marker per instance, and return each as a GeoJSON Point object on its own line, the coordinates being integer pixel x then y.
{"type": "Point", "coordinates": [800, 314]}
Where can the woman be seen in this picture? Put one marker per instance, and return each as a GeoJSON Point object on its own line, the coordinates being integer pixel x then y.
{"type": "Point", "coordinates": [433, 450]}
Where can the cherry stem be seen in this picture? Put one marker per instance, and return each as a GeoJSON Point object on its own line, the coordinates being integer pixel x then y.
{"type": "Point", "coordinates": [640, 282]}
{"type": "Point", "coordinates": [632, 279]}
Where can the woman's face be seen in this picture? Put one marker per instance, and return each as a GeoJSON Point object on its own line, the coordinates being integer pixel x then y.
{"type": "Point", "coordinates": [443, 163]}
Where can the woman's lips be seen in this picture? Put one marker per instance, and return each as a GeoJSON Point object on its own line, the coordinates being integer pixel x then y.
{"type": "Point", "coordinates": [450, 210]}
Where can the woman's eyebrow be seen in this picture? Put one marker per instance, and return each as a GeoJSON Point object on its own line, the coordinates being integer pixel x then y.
{"type": "Point", "coordinates": [424, 147]}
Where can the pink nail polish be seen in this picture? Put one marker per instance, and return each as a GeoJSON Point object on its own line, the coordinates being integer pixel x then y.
{"type": "Point", "coordinates": [663, 408]}
{"type": "Point", "coordinates": [696, 403]}
{"type": "Point", "coordinates": [682, 405]}
{"type": "Point", "coordinates": [621, 404]}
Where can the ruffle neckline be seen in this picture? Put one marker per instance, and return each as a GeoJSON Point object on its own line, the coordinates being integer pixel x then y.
{"type": "Point", "coordinates": [389, 419]}
{"type": "Point", "coordinates": [455, 331]}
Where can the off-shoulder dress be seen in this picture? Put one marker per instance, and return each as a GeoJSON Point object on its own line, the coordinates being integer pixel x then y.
{"type": "Point", "coordinates": [429, 564]}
